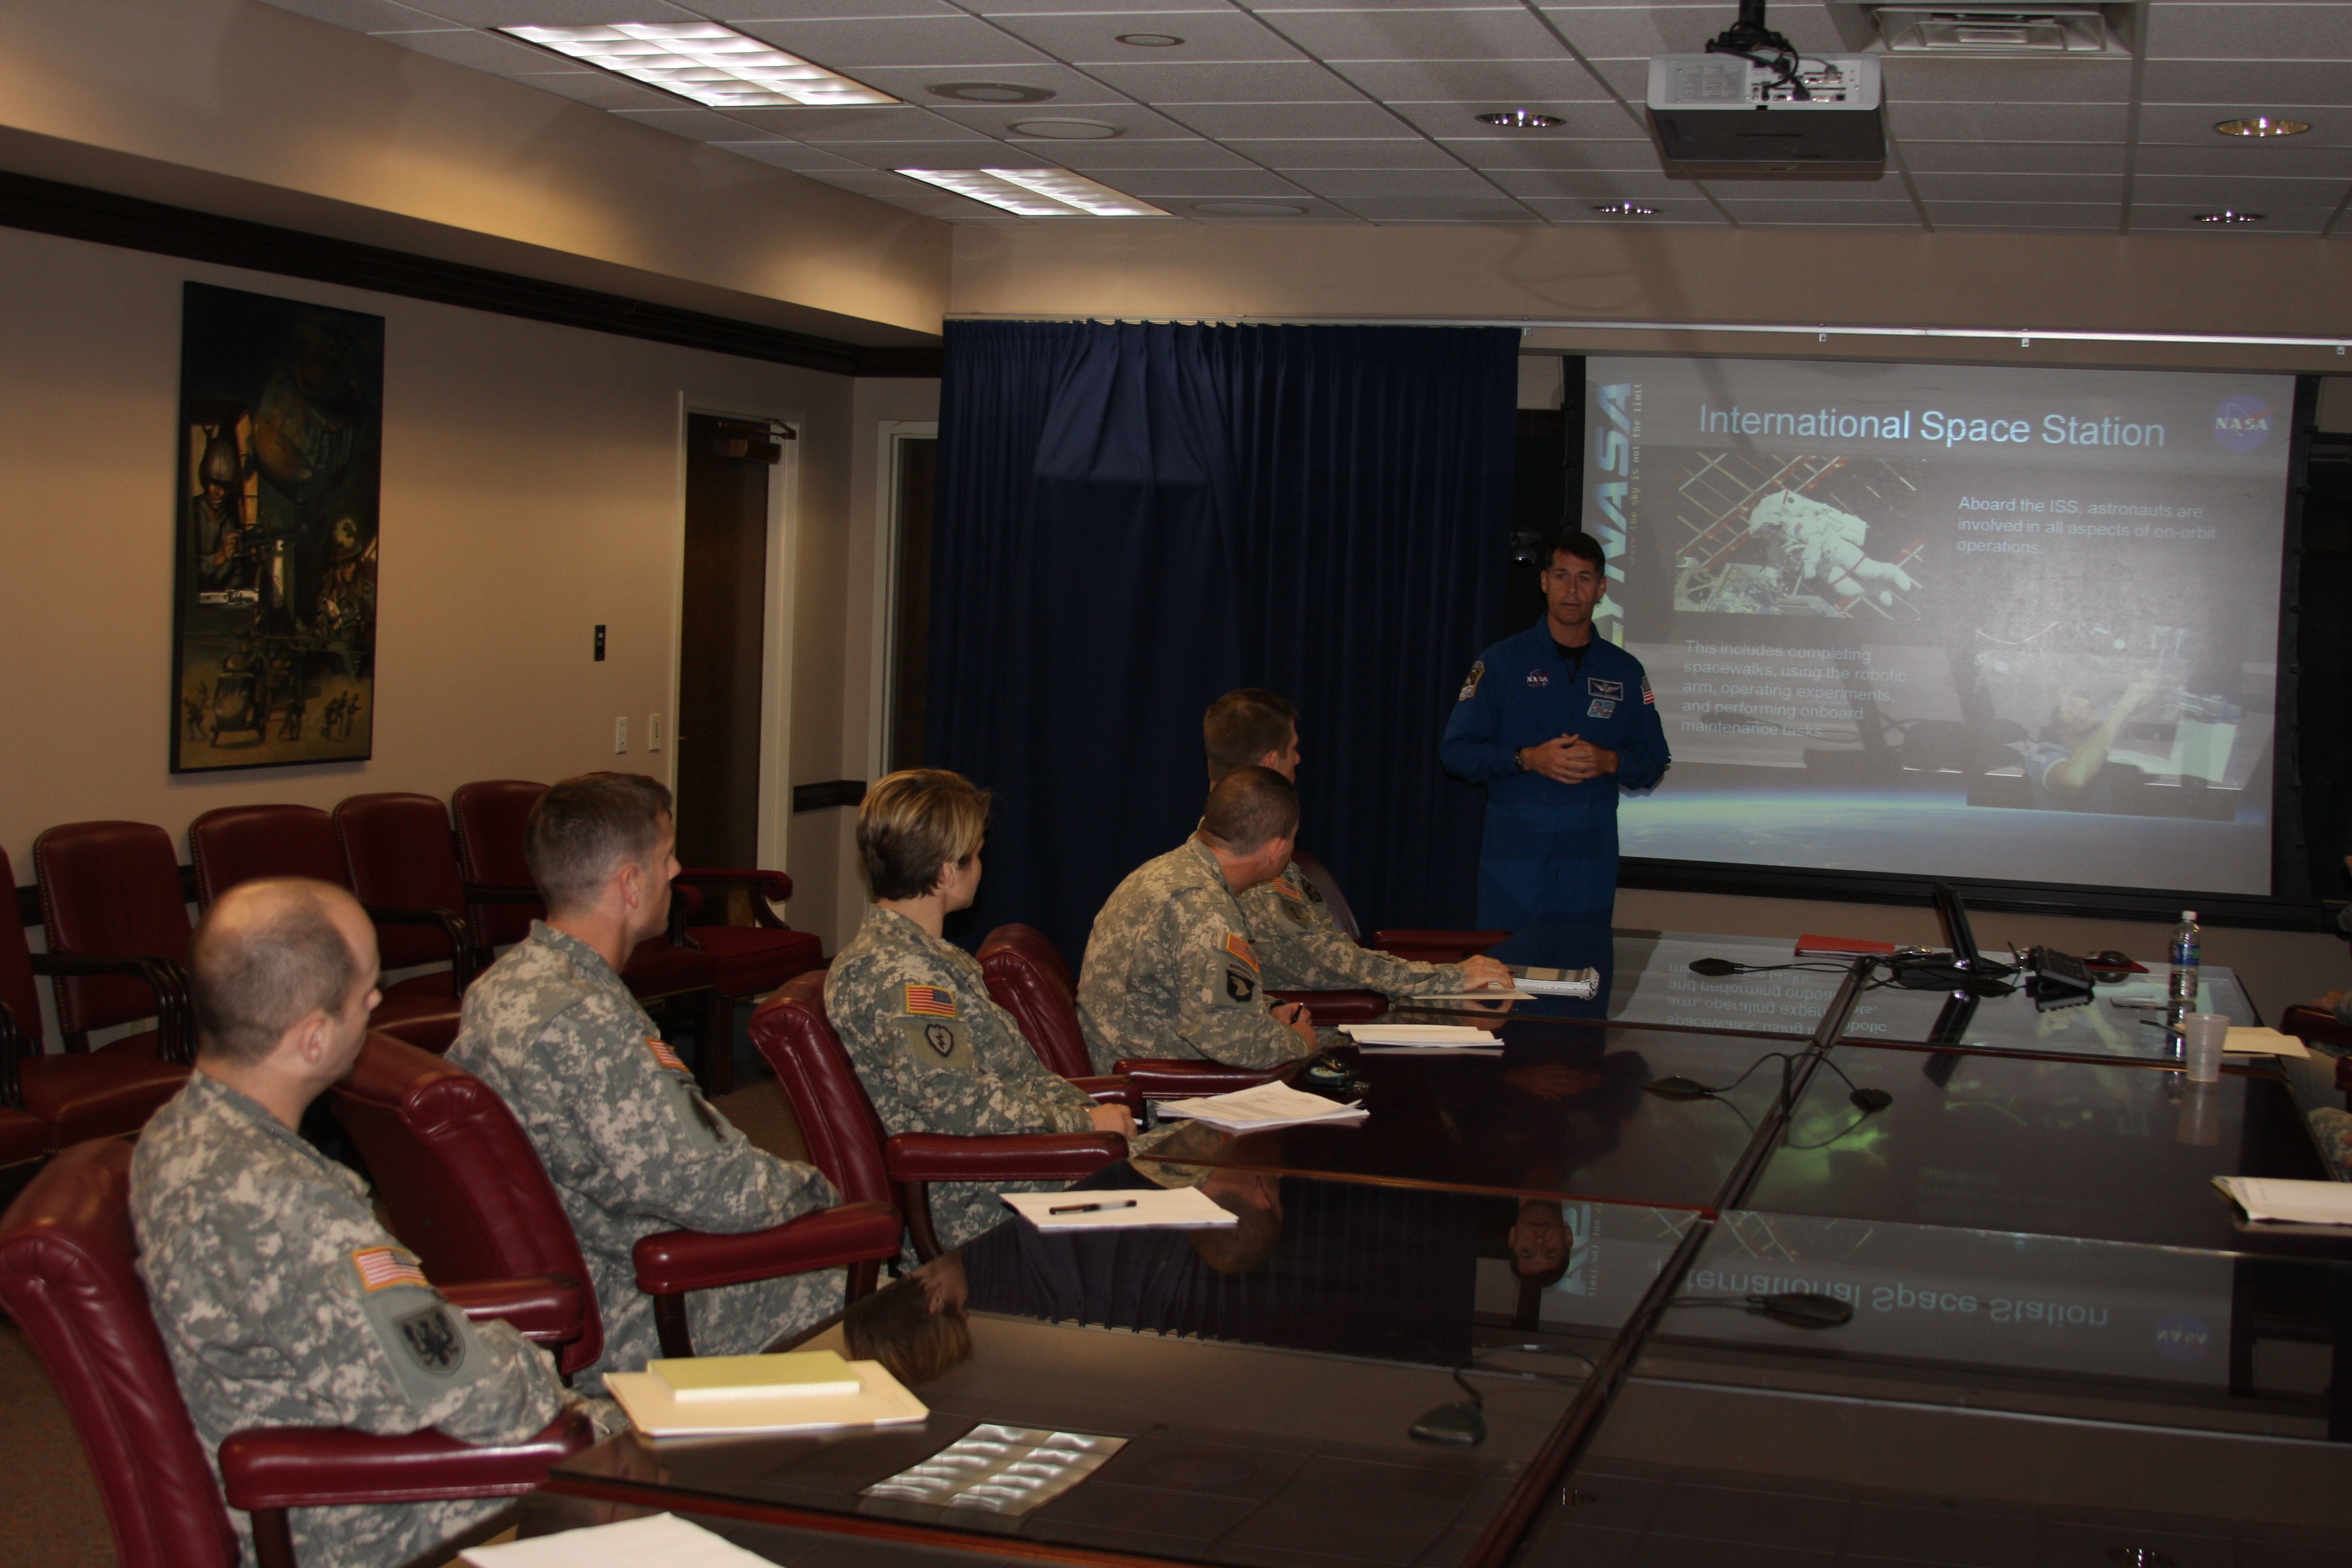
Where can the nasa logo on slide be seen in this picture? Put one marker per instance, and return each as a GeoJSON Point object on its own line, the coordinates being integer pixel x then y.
{"type": "Point", "coordinates": [2183, 1337]}
{"type": "Point", "coordinates": [1538, 678]}
{"type": "Point", "coordinates": [2241, 423]}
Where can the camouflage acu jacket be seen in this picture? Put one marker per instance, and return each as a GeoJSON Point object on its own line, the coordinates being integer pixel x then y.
{"type": "Point", "coordinates": [632, 1147]}
{"type": "Point", "coordinates": [1170, 970]}
{"type": "Point", "coordinates": [937, 1054]}
{"type": "Point", "coordinates": [1301, 948]}
{"type": "Point", "coordinates": [284, 1303]}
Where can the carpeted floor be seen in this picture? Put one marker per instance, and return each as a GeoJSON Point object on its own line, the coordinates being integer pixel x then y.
{"type": "Point", "coordinates": [50, 1510]}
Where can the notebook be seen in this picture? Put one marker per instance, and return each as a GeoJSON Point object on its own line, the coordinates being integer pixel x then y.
{"type": "Point", "coordinates": [1170, 1208]}
{"type": "Point", "coordinates": [807, 1374]}
{"type": "Point", "coordinates": [881, 1400]}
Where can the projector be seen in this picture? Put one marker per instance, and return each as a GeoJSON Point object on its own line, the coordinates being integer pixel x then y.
{"type": "Point", "coordinates": [1724, 107]}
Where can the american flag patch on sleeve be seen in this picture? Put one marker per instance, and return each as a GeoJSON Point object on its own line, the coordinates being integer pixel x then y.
{"type": "Point", "coordinates": [382, 1268]}
{"type": "Point", "coordinates": [1649, 699]}
{"type": "Point", "coordinates": [1240, 948]}
{"type": "Point", "coordinates": [664, 1054]}
{"type": "Point", "coordinates": [931, 1002]}
{"type": "Point", "coordinates": [1282, 885]}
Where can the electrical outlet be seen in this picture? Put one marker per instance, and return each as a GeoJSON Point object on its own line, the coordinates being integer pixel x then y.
{"type": "Point", "coordinates": [653, 732]}
{"type": "Point", "coordinates": [619, 736]}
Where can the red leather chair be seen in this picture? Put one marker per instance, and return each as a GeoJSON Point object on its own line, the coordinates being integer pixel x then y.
{"type": "Point", "coordinates": [66, 1276]}
{"type": "Point", "coordinates": [1028, 979]}
{"type": "Point", "coordinates": [78, 1094]}
{"type": "Point", "coordinates": [111, 890]}
{"type": "Point", "coordinates": [2307, 1023]}
{"type": "Point", "coordinates": [238, 843]}
{"type": "Point", "coordinates": [467, 1192]}
{"type": "Point", "coordinates": [846, 1139]}
{"type": "Point", "coordinates": [1426, 946]}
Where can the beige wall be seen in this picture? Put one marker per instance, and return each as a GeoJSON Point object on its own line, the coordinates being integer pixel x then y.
{"type": "Point", "coordinates": [531, 489]}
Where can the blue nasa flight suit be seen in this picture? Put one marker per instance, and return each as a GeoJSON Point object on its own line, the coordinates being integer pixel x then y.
{"type": "Point", "coordinates": [1551, 849]}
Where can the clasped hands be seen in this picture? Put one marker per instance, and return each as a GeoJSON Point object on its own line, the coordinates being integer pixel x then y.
{"type": "Point", "coordinates": [1569, 759]}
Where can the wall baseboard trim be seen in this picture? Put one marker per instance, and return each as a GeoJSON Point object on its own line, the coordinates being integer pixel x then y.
{"type": "Point", "coordinates": [78, 212]}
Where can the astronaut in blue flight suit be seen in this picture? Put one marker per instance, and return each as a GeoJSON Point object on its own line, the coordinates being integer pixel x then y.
{"type": "Point", "coordinates": [1554, 722]}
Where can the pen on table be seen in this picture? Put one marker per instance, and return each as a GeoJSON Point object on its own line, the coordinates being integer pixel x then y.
{"type": "Point", "coordinates": [1092, 1208]}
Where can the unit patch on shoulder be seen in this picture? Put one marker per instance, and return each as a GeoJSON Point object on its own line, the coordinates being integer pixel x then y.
{"type": "Point", "coordinates": [1470, 684]}
{"type": "Point", "coordinates": [1604, 687]}
{"type": "Point", "coordinates": [931, 1002]}
{"type": "Point", "coordinates": [664, 1054]}
{"type": "Point", "coordinates": [1240, 948]}
{"type": "Point", "coordinates": [382, 1268]}
{"type": "Point", "coordinates": [433, 1341]}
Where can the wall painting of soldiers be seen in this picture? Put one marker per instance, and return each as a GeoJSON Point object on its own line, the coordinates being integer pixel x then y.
{"type": "Point", "coordinates": [281, 428]}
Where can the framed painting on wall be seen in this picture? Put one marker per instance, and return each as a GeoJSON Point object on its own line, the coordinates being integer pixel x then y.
{"type": "Point", "coordinates": [274, 605]}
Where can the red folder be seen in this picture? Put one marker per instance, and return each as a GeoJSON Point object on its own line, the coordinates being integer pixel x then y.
{"type": "Point", "coordinates": [1839, 947]}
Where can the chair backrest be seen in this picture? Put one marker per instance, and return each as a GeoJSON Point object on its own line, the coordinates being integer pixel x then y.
{"type": "Point", "coordinates": [401, 854]}
{"type": "Point", "coordinates": [1027, 977]}
{"type": "Point", "coordinates": [16, 989]}
{"type": "Point", "coordinates": [844, 1134]}
{"type": "Point", "coordinates": [235, 844]}
{"type": "Point", "coordinates": [490, 815]}
{"type": "Point", "coordinates": [67, 1276]}
{"type": "Point", "coordinates": [109, 889]}
{"type": "Point", "coordinates": [464, 1188]}
{"type": "Point", "coordinates": [1321, 875]}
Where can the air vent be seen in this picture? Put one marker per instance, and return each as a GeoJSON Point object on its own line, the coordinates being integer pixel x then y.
{"type": "Point", "coordinates": [2071, 30]}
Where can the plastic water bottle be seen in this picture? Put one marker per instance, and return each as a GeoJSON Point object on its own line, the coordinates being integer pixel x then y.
{"type": "Point", "coordinates": [2180, 997]}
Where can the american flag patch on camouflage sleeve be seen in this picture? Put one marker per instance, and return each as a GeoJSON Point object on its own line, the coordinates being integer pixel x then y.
{"type": "Point", "coordinates": [1240, 948]}
{"type": "Point", "coordinates": [931, 1002]}
{"type": "Point", "coordinates": [382, 1268]}
{"type": "Point", "coordinates": [664, 1053]}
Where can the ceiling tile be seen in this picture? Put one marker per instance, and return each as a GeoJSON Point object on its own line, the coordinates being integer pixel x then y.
{"type": "Point", "coordinates": [1316, 213]}
{"type": "Point", "coordinates": [1629, 32]}
{"type": "Point", "coordinates": [601, 89]}
{"type": "Point", "coordinates": [914, 196]}
{"type": "Point", "coordinates": [997, 119]}
{"type": "Point", "coordinates": [2013, 157]}
{"type": "Point", "coordinates": [787, 155]}
{"type": "Point", "coordinates": [2216, 191]}
{"type": "Point", "coordinates": [1809, 214]}
{"type": "Point", "coordinates": [2228, 157]}
{"type": "Point", "coordinates": [1504, 34]}
{"type": "Point", "coordinates": [873, 122]}
{"type": "Point", "coordinates": [2240, 31]}
{"type": "Point", "coordinates": [1414, 155]}
{"type": "Point", "coordinates": [694, 125]}
{"type": "Point", "coordinates": [1597, 185]}
{"type": "Point", "coordinates": [1438, 209]}
{"type": "Point", "coordinates": [1623, 152]}
{"type": "Point", "coordinates": [1772, 188]}
{"type": "Point", "coordinates": [1673, 212]}
{"type": "Point", "coordinates": [2191, 124]}
{"type": "Point", "coordinates": [940, 156]}
{"type": "Point", "coordinates": [963, 43]}
{"type": "Point", "coordinates": [1496, 84]}
{"type": "Point", "coordinates": [1628, 79]}
{"type": "Point", "coordinates": [2007, 121]}
{"type": "Point", "coordinates": [2162, 217]}
{"type": "Point", "coordinates": [2087, 215]}
{"type": "Point", "coordinates": [736, 12]}
{"type": "Point", "coordinates": [1931, 188]}
{"type": "Point", "coordinates": [481, 52]}
{"type": "Point", "coordinates": [1603, 121]}
{"type": "Point", "coordinates": [1271, 82]}
{"type": "Point", "coordinates": [1278, 7]}
{"type": "Point", "coordinates": [2261, 85]}
{"type": "Point", "coordinates": [1322, 121]}
{"type": "Point", "coordinates": [1070, 87]}
{"type": "Point", "coordinates": [1207, 184]}
{"type": "Point", "coordinates": [1092, 38]}
{"type": "Point", "coordinates": [364, 16]}
{"type": "Point", "coordinates": [1918, 79]}
{"type": "Point", "coordinates": [1063, 7]}
{"type": "Point", "coordinates": [552, 13]}
{"type": "Point", "coordinates": [1095, 156]}
{"type": "Point", "coordinates": [1347, 184]}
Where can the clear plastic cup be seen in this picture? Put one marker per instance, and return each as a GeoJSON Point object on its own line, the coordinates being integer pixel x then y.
{"type": "Point", "coordinates": [2202, 1036]}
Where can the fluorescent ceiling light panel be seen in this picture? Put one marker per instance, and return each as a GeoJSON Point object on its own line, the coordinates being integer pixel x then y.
{"type": "Point", "coordinates": [703, 61]}
{"type": "Point", "coordinates": [1037, 193]}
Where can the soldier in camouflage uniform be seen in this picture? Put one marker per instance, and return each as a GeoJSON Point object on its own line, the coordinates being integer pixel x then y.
{"type": "Point", "coordinates": [1299, 946]}
{"type": "Point", "coordinates": [281, 1300]}
{"type": "Point", "coordinates": [935, 1052]}
{"type": "Point", "coordinates": [1169, 969]}
{"type": "Point", "coordinates": [625, 1133]}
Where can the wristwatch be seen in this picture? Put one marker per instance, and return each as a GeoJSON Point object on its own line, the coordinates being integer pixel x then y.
{"type": "Point", "coordinates": [1519, 758]}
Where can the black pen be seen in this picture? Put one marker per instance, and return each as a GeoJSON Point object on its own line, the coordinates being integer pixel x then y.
{"type": "Point", "coordinates": [1092, 1208]}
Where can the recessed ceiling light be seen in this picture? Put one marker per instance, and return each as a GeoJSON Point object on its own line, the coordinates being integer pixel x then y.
{"type": "Point", "coordinates": [2262, 125]}
{"type": "Point", "coordinates": [1066, 129]}
{"type": "Point", "coordinates": [1150, 40]}
{"type": "Point", "coordinates": [1625, 209]}
{"type": "Point", "coordinates": [703, 61]}
{"type": "Point", "coordinates": [1248, 209]}
{"type": "Point", "coordinates": [1037, 193]}
{"type": "Point", "coordinates": [989, 91]}
{"type": "Point", "coordinates": [1520, 120]}
{"type": "Point", "coordinates": [2227, 215]}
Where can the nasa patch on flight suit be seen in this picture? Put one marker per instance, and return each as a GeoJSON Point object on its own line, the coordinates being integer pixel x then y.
{"type": "Point", "coordinates": [1540, 678]}
{"type": "Point", "coordinates": [1601, 708]}
{"type": "Point", "coordinates": [1470, 685]}
{"type": "Point", "coordinates": [931, 1044]}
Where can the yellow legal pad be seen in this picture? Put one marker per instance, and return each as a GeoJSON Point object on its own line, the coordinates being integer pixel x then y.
{"type": "Point", "coordinates": [807, 1374]}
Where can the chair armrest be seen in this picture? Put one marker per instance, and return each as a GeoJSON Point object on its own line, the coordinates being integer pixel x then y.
{"type": "Point", "coordinates": [1178, 1077]}
{"type": "Point", "coordinates": [452, 925]}
{"type": "Point", "coordinates": [546, 1309]}
{"type": "Point", "coordinates": [2314, 1024]}
{"type": "Point", "coordinates": [1111, 1088]}
{"type": "Point", "coordinates": [175, 1014]}
{"type": "Point", "coordinates": [1438, 946]}
{"type": "Point", "coordinates": [325, 1466]}
{"type": "Point", "coordinates": [671, 1261]}
{"type": "Point", "coordinates": [1000, 1157]}
{"type": "Point", "coordinates": [1328, 1007]}
{"type": "Point", "coordinates": [768, 888]}
{"type": "Point", "coordinates": [12, 1090]}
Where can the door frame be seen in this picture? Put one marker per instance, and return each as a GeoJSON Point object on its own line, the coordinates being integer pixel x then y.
{"type": "Point", "coordinates": [776, 643]}
{"type": "Point", "coordinates": [885, 619]}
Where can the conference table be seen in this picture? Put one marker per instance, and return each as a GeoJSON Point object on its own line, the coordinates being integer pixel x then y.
{"type": "Point", "coordinates": [2055, 1340]}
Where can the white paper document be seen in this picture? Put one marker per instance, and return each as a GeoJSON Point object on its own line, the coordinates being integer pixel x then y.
{"type": "Point", "coordinates": [1500, 993]}
{"type": "Point", "coordinates": [1424, 1035]}
{"type": "Point", "coordinates": [1261, 1108]}
{"type": "Point", "coordinates": [2246, 1041]}
{"type": "Point", "coordinates": [1172, 1208]}
{"type": "Point", "coordinates": [1581, 984]}
{"type": "Point", "coordinates": [663, 1541]}
{"type": "Point", "coordinates": [2294, 1202]}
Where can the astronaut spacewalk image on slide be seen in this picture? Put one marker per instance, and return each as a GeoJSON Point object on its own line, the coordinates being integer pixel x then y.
{"type": "Point", "coordinates": [1785, 536]}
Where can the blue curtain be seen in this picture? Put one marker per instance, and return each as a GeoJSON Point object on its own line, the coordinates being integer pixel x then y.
{"type": "Point", "coordinates": [1135, 519]}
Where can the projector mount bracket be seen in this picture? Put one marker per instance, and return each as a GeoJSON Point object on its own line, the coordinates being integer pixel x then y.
{"type": "Point", "coordinates": [1751, 40]}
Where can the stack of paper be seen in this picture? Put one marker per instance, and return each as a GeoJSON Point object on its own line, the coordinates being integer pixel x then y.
{"type": "Point", "coordinates": [658, 1410]}
{"type": "Point", "coordinates": [1261, 1108]}
{"type": "Point", "coordinates": [1488, 995]}
{"type": "Point", "coordinates": [1581, 983]}
{"type": "Point", "coordinates": [2263, 1042]}
{"type": "Point", "coordinates": [1421, 1036]}
{"type": "Point", "coordinates": [2293, 1203]}
{"type": "Point", "coordinates": [1171, 1209]}
{"type": "Point", "coordinates": [696, 1380]}
{"type": "Point", "coordinates": [662, 1541]}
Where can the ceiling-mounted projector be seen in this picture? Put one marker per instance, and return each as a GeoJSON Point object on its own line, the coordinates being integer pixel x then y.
{"type": "Point", "coordinates": [1754, 99]}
